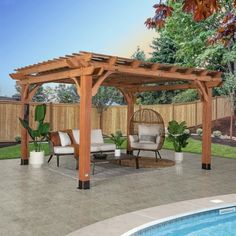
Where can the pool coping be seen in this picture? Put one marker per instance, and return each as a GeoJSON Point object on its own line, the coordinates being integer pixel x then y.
{"type": "Point", "coordinates": [130, 222]}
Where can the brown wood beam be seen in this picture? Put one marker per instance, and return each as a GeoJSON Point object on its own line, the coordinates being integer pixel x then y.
{"type": "Point", "coordinates": [158, 73]}
{"type": "Point", "coordinates": [58, 76]}
{"type": "Point", "coordinates": [44, 67]}
{"type": "Point", "coordinates": [99, 82]}
{"type": "Point", "coordinates": [77, 85]}
{"type": "Point", "coordinates": [85, 131]}
{"type": "Point", "coordinates": [206, 129]}
{"type": "Point", "coordinates": [24, 133]}
{"type": "Point", "coordinates": [130, 100]}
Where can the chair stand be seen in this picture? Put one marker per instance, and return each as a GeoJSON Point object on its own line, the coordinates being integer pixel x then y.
{"type": "Point", "coordinates": [156, 152]}
{"type": "Point", "coordinates": [50, 158]}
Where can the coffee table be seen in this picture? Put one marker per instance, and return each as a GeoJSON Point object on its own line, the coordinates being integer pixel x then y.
{"type": "Point", "coordinates": [111, 157]}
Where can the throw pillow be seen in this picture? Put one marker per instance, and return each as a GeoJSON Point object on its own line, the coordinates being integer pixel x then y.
{"type": "Point", "coordinates": [65, 139]}
{"type": "Point", "coordinates": [148, 138]}
{"type": "Point", "coordinates": [55, 139]}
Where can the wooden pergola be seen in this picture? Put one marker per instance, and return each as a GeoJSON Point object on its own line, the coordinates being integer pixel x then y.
{"type": "Point", "coordinates": [88, 71]}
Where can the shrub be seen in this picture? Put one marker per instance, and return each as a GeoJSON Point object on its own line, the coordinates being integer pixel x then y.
{"type": "Point", "coordinates": [18, 139]}
{"type": "Point", "coordinates": [217, 134]}
{"type": "Point", "coordinates": [199, 131]}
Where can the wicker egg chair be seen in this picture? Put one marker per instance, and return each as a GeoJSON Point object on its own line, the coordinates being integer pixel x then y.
{"type": "Point", "coordinates": [147, 131]}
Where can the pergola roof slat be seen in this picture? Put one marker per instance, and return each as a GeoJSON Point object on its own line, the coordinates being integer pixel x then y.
{"type": "Point", "coordinates": [59, 69]}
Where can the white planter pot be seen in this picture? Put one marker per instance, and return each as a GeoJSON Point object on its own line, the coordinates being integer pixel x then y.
{"type": "Point", "coordinates": [178, 157]}
{"type": "Point", "coordinates": [117, 152]}
{"type": "Point", "coordinates": [36, 159]}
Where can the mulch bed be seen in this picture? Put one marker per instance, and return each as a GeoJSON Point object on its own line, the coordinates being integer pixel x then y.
{"type": "Point", "coordinates": [7, 144]}
{"type": "Point", "coordinates": [146, 162]}
{"type": "Point", "coordinates": [227, 142]}
{"type": "Point", "coordinates": [222, 125]}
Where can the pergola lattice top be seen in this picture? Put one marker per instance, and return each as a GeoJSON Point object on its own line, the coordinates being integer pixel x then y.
{"type": "Point", "coordinates": [114, 71]}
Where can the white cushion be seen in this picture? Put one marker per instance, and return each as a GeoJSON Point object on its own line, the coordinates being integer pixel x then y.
{"type": "Point", "coordinates": [63, 150]}
{"type": "Point", "coordinates": [145, 129]}
{"type": "Point", "coordinates": [95, 147]}
{"type": "Point", "coordinates": [108, 147]}
{"type": "Point", "coordinates": [133, 138]}
{"type": "Point", "coordinates": [64, 138]}
{"type": "Point", "coordinates": [96, 136]}
{"type": "Point", "coordinates": [145, 146]}
{"type": "Point", "coordinates": [76, 135]}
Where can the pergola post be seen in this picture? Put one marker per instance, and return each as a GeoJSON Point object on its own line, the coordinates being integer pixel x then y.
{"type": "Point", "coordinates": [85, 131]}
{"type": "Point", "coordinates": [206, 129]}
{"type": "Point", "coordinates": [129, 97]}
{"type": "Point", "coordinates": [24, 133]}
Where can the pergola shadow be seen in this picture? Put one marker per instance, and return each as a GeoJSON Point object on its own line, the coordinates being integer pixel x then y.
{"type": "Point", "coordinates": [88, 71]}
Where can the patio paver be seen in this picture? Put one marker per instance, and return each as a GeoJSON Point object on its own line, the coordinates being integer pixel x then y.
{"type": "Point", "coordinates": [46, 202]}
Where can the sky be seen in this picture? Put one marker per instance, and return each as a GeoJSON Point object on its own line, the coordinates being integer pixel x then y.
{"type": "Point", "coordinates": [37, 30]}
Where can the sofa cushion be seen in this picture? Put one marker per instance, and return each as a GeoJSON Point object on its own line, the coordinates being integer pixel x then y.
{"type": "Point", "coordinates": [63, 150]}
{"type": "Point", "coordinates": [108, 147]}
{"type": "Point", "coordinates": [148, 138]}
{"type": "Point", "coordinates": [64, 138]}
{"type": "Point", "coordinates": [145, 146]}
{"type": "Point", "coordinates": [133, 138]}
{"type": "Point", "coordinates": [96, 136]}
{"type": "Point", "coordinates": [95, 147]}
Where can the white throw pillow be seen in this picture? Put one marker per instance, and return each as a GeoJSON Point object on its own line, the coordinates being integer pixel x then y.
{"type": "Point", "coordinates": [149, 129]}
{"type": "Point", "coordinates": [64, 138]}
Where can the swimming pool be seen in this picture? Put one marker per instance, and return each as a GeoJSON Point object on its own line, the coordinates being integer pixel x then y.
{"type": "Point", "coordinates": [216, 222]}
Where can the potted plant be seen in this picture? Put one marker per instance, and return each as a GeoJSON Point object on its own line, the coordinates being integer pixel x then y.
{"type": "Point", "coordinates": [178, 134]}
{"type": "Point", "coordinates": [38, 135]}
{"type": "Point", "coordinates": [118, 140]}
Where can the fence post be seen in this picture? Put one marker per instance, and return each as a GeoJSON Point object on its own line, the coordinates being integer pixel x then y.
{"type": "Point", "coordinates": [196, 114]}
{"type": "Point", "coordinates": [51, 115]}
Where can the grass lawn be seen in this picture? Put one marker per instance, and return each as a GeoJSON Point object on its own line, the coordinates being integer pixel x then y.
{"type": "Point", "coordinates": [13, 152]}
{"type": "Point", "coordinates": [194, 146]}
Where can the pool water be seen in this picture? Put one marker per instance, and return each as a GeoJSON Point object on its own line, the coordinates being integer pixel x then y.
{"type": "Point", "coordinates": [220, 222]}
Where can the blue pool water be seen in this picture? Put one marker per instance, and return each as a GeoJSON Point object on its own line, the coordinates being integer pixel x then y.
{"type": "Point", "coordinates": [220, 222]}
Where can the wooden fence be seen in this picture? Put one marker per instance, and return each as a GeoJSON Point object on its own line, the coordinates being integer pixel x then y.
{"type": "Point", "coordinates": [64, 116]}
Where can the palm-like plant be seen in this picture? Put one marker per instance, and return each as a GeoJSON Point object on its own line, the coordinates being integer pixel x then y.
{"type": "Point", "coordinates": [117, 138]}
{"type": "Point", "coordinates": [178, 134]}
{"type": "Point", "coordinates": [40, 134]}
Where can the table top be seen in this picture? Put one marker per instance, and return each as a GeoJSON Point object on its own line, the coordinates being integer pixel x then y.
{"type": "Point", "coordinates": [111, 156]}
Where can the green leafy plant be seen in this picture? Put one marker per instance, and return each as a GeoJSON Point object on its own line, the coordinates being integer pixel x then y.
{"type": "Point", "coordinates": [41, 132]}
{"type": "Point", "coordinates": [117, 138]}
{"type": "Point", "coordinates": [178, 134]}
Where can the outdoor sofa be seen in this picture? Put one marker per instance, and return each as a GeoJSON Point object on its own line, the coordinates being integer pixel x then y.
{"type": "Point", "coordinates": [67, 143]}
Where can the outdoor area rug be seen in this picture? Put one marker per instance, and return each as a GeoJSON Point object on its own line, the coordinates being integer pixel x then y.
{"type": "Point", "coordinates": [146, 162]}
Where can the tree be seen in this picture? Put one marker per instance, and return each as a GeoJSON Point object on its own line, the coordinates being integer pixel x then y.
{"type": "Point", "coordinates": [229, 88]}
{"type": "Point", "coordinates": [188, 95]}
{"type": "Point", "coordinates": [205, 40]}
{"type": "Point", "coordinates": [201, 10]}
{"type": "Point", "coordinates": [139, 54]}
{"type": "Point", "coordinates": [39, 96]}
{"type": "Point", "coordinates": [105, 97]}
{"type": "Point", "coordinates": [66, 94]}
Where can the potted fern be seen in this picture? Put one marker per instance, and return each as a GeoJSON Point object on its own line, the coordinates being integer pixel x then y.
{"type": "Point", "coordinates": [178, 134]}
{"type": "Point", "coordinates": [38, 135]}
{"type": "Point", "coordinates": [118, 140]}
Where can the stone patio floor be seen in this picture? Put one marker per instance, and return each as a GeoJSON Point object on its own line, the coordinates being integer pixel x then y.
{"type": "Point", "coordinates": [46, 201]}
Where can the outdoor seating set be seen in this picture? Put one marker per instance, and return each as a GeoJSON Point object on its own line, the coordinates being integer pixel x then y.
{"type": "Point", "coordinates": [148, 134]}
